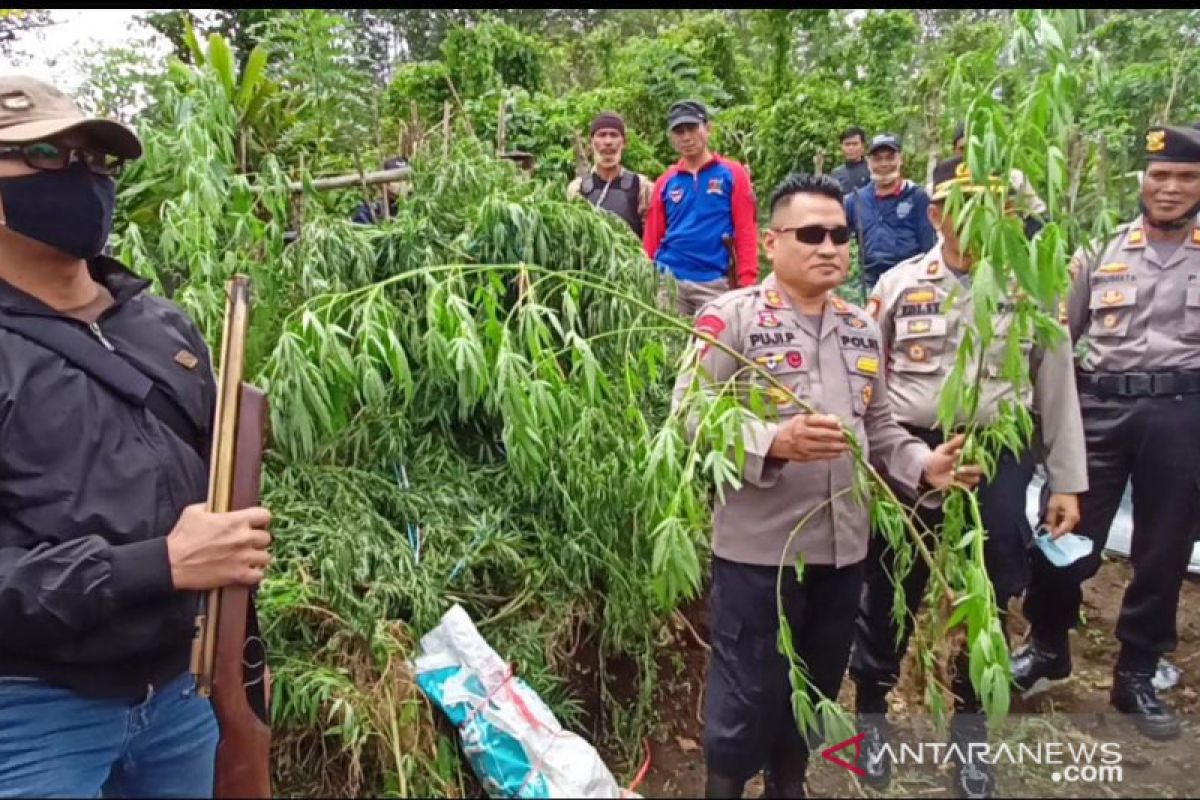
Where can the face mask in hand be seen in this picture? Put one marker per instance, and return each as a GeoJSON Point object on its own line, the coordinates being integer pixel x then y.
{"type": "Point", "coordinates": [70, 210]}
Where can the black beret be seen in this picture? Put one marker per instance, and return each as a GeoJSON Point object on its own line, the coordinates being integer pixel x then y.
{"type": "Point", "coordinates": [1172, 143]}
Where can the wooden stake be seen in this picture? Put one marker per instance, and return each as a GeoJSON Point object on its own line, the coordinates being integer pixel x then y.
{"type": "Point", "coordinates": [445, 129]}
{"type": "Point", "coordinates": [501, 126]}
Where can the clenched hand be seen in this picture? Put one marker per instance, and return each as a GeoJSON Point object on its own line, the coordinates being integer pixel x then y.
{"type": "Point", "coordinates": [809, 437]}
{"type": "Point", "coordinates": [211, 551]}
{"type": "Point", "coordinates": [941, 472]}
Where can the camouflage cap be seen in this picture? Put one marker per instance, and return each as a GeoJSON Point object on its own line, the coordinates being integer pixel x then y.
{"type": "Point", "coordinates": [32, 110]}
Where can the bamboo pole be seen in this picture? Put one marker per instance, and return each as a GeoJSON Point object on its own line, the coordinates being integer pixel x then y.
{"type": "Point", "coordinates": [346, 181]}
{"type": "Point", "coordinates": [445, 129]}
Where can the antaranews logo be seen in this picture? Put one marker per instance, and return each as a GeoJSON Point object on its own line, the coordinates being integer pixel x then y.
{"type": "Point", "coordinates": [1072, 762]}
{"type": "Point", "coordinates": [828, 754]}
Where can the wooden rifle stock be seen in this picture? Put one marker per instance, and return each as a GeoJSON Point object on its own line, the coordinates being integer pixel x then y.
{"type": "Point", "coordinates": [228, 655]}
{"type": "Point", "coordinates": [731, 255]}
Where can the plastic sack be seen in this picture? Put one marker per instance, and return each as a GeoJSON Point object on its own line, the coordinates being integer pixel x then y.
{"type": "Point", "coordinates": [510, 737]}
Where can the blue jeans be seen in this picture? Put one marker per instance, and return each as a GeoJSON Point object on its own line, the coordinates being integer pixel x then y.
{"type": "Point", "coordinates": [54, 743]}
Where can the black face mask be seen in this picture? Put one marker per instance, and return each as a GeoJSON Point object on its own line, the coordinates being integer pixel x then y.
{"type": "Point", "coordinates": [1182, 221]}
{"type": "Point", "coordinates": [70, 210]}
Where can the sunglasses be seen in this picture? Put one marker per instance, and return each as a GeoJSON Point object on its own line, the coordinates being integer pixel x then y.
{"type": "Point", "coordinates": [50, 156]}
{"type": "Point", "coordinates": [815, 234]}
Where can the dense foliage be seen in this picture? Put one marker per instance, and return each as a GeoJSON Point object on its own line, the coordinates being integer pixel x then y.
{"type": "Point", "coordinates": [470, 402]}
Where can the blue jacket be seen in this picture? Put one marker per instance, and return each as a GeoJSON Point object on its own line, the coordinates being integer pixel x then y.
{"type": "Point", "coordinates": [892, 228]}
{"type": "Point", "coordinates": [688, 215]}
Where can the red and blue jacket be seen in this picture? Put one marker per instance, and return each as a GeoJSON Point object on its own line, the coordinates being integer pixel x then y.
{"type": "Point", "coordinates": [689, 214]}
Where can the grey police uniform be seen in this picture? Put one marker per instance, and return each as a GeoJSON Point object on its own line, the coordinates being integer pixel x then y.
{"type": "Point", "coordinates": [1135, 314]}
{"type": "Point", "coordinates": [924, 309]}
{"type": "Point", "coordinates": [834, 364]}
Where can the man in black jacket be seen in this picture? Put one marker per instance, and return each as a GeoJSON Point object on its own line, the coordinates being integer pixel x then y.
{"type": "Point", "coordinates": [854, 174]}
{"type": "Point", "coordinates": [105, 543]}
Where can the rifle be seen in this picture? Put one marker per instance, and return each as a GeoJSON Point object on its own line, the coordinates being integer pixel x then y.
{"type": "Point", "coordinates": [228, 656]}
{"type": "Point", "coordinates": [731, 268]}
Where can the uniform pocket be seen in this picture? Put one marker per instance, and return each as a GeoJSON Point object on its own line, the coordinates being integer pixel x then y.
{"type": "Point", "coordinates": [1191, 310]}
{"type": "Point", "coordinates": [789, 366]}
{"type": "Point", "coordinates": [1112, 310]}
{"type": "Point", "coordinates": [919, 344]}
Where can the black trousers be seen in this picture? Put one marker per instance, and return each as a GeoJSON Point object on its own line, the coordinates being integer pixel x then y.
{"type": "Point", "coordinates": [1155, 442]}
{"type": "Point", "coordinates": [875, 662]}
{"type": "Point", "coordinates": [748, 722]}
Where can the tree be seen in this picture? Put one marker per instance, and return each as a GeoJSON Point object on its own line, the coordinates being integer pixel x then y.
{"type": "Point", "coordinates": [15, 22]}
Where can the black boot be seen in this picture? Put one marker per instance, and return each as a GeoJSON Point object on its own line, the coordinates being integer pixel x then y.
{"type": "Point", "coordinates": [718, 786]}
{"type": "Point", "coordinates": [972, 777]}
{"type": "Point", "coordinates": [872, 760]}
{"type": "Point", "coordinates": [1038, 666]}
{"type": "Point", "coordinates": [786, 779]}
{"type": "Point", "coordinates": [1134, 694]}
{"type": "Point", "coordinates": [871, 708]}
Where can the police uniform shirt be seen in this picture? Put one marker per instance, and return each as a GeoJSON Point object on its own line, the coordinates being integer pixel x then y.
{"type": "Point", "coordinates": [1135, 310]}
{"type": "Point", "coordinates": [924, 308]}
{"type": "Point", "coordinates": [836, 369]}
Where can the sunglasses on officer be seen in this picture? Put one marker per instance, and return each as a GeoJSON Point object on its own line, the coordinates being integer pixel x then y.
{"type": "Point", "coordinates": [53, 157]}
{"type": "Point", "coordinates": [815, 234]}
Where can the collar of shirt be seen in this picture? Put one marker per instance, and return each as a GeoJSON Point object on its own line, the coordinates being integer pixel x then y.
{"type": "Point", "coordinates": [901, 185]}
{"type": "Point", "coordinates": [681, 164]}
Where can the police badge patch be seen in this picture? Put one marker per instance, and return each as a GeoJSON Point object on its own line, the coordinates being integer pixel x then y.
{"type": "Point", "coordinates": [902, 208]}
{"type": "Point", "coordinates": [767, 319]}
{"type": "Point", "coordinates": [676, 195]}
{"type": "Point", "coordinates": [770, 361]}
{"type": "Point", "coordinates": [774, 299]}
{"type": "Point", "coordinates": [709, 324]}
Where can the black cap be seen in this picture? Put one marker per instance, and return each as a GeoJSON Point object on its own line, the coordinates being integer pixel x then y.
{"type": "Point", "coordinates": [953, 172]}
{"type": "Point", "coordinates": [884, 140]}
{"type": "Point", "coordinates": [687, 111]}
{"type": "Point", "coordinates": [1172, 143]}
{"type": "Point", "coordinates": [395, 162]}
{"type": "Point", "coordinates": [960, 130]}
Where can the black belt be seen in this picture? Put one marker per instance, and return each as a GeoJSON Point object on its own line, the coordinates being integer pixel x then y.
{"type": "Point", "coordinates": [1139, 384]}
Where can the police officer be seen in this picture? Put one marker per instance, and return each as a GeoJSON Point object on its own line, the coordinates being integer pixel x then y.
{"type": "Point", "coordinates": [104, 540]}
{"type": "Point", "coordinates": [924, 307]}
{"type": "Point", "coordinates": [1134, 309]}
{"type": "Point", "coordinates": [828, 354]}
{"type": "Point", "coordinates": [1032, 207]}
{"type": "Point", "coordinates": [609, 186]}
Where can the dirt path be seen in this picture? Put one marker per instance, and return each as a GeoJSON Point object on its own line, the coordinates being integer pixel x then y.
{"type": "Point", "coordinates": [1155, 769]}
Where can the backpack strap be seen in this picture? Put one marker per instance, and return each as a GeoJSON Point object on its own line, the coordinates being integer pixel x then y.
{"type": "Point", "coordinates": [108, 369]}
{"type": "Point", "coordinates": [587, 184]}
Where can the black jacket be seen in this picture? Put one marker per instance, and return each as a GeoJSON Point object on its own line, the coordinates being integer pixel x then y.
{"type": "Point", "coordinates": [89, 487]}
{"type": "Point", "coordinates": [852, 176]}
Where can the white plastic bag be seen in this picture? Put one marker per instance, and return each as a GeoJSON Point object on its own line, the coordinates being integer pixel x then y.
{"type": "Point", "coordinates": [510, 737]}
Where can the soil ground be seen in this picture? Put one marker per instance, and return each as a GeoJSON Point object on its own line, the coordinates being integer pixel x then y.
{"type": "Point", "coordinates": [1156, 769]}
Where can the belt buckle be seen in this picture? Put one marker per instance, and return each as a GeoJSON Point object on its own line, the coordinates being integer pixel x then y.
{"type": "Point", "coordinates": [1139, 384]}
